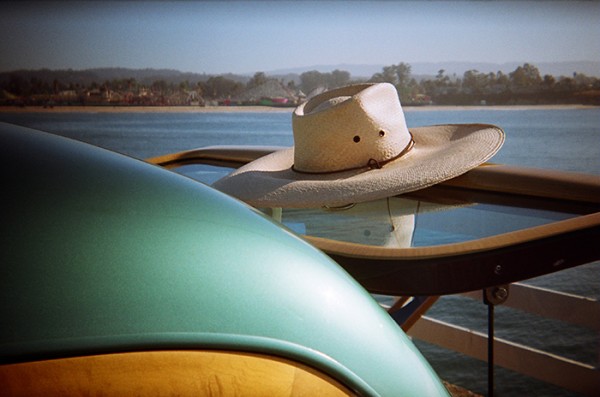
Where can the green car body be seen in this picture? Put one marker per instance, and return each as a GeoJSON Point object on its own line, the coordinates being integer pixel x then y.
{"type": "Point", "coordinates": [102, 253]}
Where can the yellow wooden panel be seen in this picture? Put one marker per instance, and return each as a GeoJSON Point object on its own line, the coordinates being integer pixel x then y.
{"type": "Point", "coordinates": [160, 373]}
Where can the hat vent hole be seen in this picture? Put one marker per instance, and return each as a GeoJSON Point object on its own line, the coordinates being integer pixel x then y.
{"type": "Point", "coordinates": [381, 133]}
{"type": "Point", "coordinates": [356, 138]}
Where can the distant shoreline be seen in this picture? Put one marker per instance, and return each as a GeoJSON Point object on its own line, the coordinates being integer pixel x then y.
{"type": "Point", "coordinates": [145, 109]}
{"type": "Point", "coordinates": [253, 109]}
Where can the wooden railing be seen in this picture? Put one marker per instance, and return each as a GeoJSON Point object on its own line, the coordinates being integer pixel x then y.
{"type": "Point", "coordinates": [550, 368]}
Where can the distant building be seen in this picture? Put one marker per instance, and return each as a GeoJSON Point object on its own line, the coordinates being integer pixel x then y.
{"type": "Point", "coordinates": [271, 93]}
{"type": "Point", "coordinates": [185, 98]}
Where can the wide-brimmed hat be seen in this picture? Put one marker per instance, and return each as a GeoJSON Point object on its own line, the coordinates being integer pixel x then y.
{"type": "Point", "coordinates": [352, 145]}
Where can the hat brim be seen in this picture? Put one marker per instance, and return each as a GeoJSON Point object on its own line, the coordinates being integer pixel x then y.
{"type": "Point", "coordinates": [439, 153]}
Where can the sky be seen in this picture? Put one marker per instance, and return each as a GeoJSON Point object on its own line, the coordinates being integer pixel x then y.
{"type": "Point", "coordinates": [250, 36]}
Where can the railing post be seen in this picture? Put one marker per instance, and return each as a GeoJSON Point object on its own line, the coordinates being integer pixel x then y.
{"type": "Point", "coordinates": [491, 297]}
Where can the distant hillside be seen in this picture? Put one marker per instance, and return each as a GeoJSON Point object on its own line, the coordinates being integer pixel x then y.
{"type": "Point", "coordinates": [589, 68]}
{"type": "Point", "coordinates": [100, 75]}
{"type": "Point", "coordinates": [420, 70]}
{"type": "Point", "coordinates": [556, 69]}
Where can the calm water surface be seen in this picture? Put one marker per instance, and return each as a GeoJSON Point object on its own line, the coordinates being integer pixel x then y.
{"type": "Point", "coordinates": [567, 140]}
{"type": "Point", "coordinates": [560, 139]}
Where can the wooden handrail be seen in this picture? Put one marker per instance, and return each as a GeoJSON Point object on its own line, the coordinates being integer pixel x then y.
{"type": "Point", "coordinates": [550, 368]}
{"type": "Point", "coordinates": [488, 177]}
{"type": "Point", "coordinates": [471, 265]}
{"type": "Point", "coordinates": [226, 156]}
{"type": "Point", "coordinates": [569, 308]}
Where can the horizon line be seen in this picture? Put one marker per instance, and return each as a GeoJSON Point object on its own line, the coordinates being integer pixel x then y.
{"type": "Point", "coordinates": [305, 68]}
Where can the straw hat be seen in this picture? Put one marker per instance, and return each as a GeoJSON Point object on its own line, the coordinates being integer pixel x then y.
{"type": "Point", "coordinates": [352, 145]}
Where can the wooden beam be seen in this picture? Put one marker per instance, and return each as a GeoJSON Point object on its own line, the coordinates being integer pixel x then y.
{"type": "Point", "coordinates": [552, 184]}
{"type": "Point", "coordinates": [573, 309]}
{"type": "Point", "coordinates": [547, 367]}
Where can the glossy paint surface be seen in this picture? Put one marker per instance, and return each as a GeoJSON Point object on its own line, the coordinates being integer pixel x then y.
{"type": "Point", "coordinates": [103, 253]}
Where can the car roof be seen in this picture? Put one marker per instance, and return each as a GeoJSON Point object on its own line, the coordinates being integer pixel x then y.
{"type": "Point", "coordinates": [105, 253]}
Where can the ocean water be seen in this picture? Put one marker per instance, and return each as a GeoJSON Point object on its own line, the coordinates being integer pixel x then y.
{"type": "Point", "coordinates": [562, 139]}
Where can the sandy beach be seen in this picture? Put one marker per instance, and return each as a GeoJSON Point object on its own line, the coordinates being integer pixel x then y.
{"type": "Point", "coordinates": [251, 109]}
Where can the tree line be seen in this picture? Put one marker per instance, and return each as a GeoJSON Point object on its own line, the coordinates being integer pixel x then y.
{"type": "Point", "coordinates": [524, 85]}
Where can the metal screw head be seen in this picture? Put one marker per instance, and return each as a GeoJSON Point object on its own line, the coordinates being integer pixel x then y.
{"type": "Point", "coordinates": [496, 295]}
{"type": "Point", "coordinates": [501, 293]}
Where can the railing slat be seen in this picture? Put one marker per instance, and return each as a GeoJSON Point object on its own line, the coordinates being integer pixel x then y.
{"type": "Point", "coordinates": [547, 303]}
{"type": "Point", "coordinates": [550, 368]}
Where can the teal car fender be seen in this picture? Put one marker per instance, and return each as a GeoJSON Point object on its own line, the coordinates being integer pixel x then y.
{"type": "Point", "coordinates": [102, 253]}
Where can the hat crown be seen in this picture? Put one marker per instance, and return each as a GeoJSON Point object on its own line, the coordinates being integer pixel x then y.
{"type": "Point", "coordinates": [349, 128]}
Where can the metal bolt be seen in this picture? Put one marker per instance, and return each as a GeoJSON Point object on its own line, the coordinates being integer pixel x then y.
{"type": "Point", "coordinates": [559, 262]}
{"type": "Point", "coordinates": [496, 295]}
{"type": "Point", "coordinates": [498, 269]}
{"type": "Point", "coordinates": [501, 293]}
